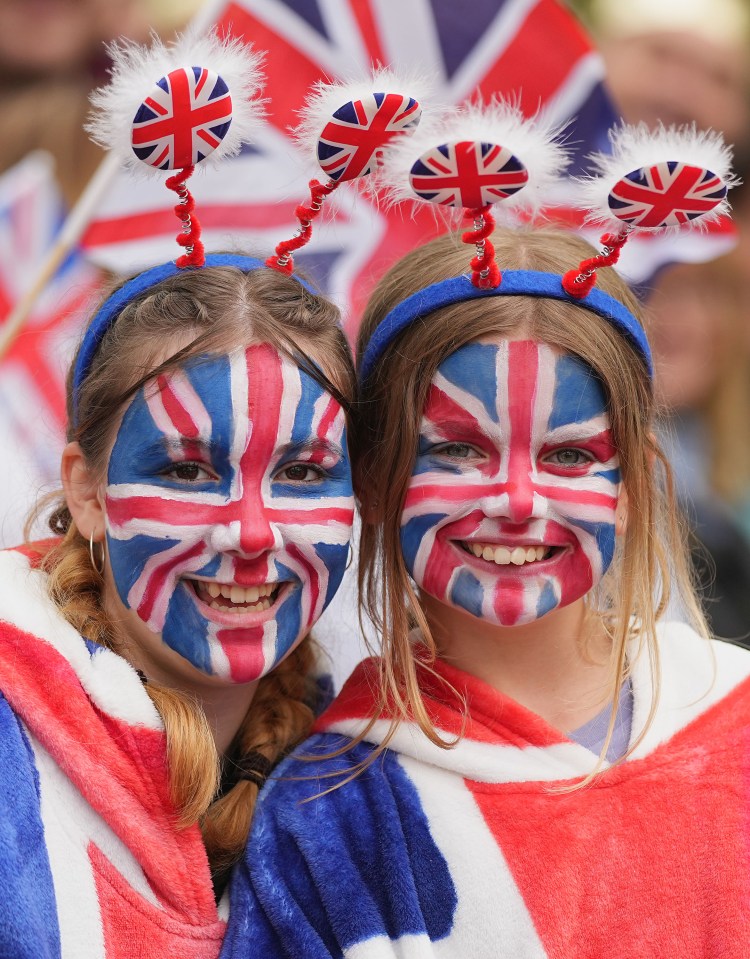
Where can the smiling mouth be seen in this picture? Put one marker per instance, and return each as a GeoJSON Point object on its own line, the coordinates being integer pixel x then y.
{"type": "Point", "coordinates": [231, 598]}
{"type": "Point", "coordinates": [507, 556]}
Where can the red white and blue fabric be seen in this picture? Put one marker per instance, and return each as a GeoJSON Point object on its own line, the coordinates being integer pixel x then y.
{"type": "Point", "coordinates": [474, 852]}
{"type": "Point", "coordinates": [355, 135]}
{"type": "Point", "coordinates": [467, 174]}
{"type": "Point", "coordinates": [247, 526]}
{"type": "Point", "coordinates": [665, 194]}
{"type": "Point", "coordinates": [93, 865]}
{"type": "Point", "coordinates": [183, 120]}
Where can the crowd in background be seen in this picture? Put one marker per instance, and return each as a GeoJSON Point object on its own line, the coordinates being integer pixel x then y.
{"type": "Point", "coordinates": [671, 61]}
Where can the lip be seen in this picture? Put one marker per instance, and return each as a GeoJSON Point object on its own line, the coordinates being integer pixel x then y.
{"type": "Point", "coordinates": [526, 569]}
{"type": "Point", "coordinates": [238, 620]}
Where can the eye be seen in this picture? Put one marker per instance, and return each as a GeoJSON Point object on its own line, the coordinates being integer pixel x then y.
{"type": "Point", "coordinates": [569, 458]}
{"type": "Point", "coordinates": [456, 451]}
{"type": "Point", "coordinates": [300, 473]}
{"type": "Point", "coordinates": [189, 473]}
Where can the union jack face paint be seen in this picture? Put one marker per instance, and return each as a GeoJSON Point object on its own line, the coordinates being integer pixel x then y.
{"type": "Point", "coordinates": [229, 509]}
{"type": "Point", "coordinates": [510, 511]}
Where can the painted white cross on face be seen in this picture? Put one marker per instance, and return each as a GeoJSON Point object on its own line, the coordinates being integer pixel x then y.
{"type": "Point", "coordinates": [229, 509]}
{"type": "Point", "coordinates": [510, 511]}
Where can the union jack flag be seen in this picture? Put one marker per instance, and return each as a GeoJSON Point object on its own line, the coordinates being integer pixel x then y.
{"type": "Point", "coordinates": [32, 376]}
{"type": "Point", "coordinates": [479, 396]}
{"type": "Point", "coordinates": [467, 174]}
{"type": "Point", "coordinates": [183, 120]}
{"type": "Point", "coordinates": [666, 194]}
{"type": "Point", "coordinates": [271, 533]}
{"type": "Point", "coordinates": [352, 140]}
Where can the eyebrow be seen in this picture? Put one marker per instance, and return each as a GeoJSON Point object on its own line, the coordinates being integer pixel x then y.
{"type": "Point", "coordinates": [316, 445]}
{"type": "Point", "coordinates": [460, 427]}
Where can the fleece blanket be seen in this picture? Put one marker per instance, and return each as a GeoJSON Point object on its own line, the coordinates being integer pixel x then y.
{"type": "Point", "coordinates": [476, 851]}
{"type": "Point", "coordinates": [92, 865]}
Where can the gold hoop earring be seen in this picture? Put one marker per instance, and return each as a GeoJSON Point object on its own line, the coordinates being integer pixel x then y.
{"type": "Point", "coordinates": [100, 571]}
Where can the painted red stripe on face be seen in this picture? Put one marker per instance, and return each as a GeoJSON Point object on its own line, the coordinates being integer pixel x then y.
{"type": "Point", "coordinates": [179, 416]}
{"type": "Point", "coordinates": [523, 360]}
{"type": "Point", "coordinates": [328, 418]}
{"type": "Point", "coordinates": [244, 651]}
{"type": "Point", "coordinates": [441, 407]}
{"type": "Point", "coordinates": [158, 578]}
{"type": "Point", "coordinates": [313, 580]}
{"type": "Point", "coordinates": [264, 399]}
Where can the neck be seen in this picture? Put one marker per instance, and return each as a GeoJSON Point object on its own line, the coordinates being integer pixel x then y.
{"type": "Point", "coordinates": [557, 666]}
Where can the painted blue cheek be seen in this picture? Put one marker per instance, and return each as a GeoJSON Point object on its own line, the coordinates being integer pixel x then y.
{"type": "Point", "coordinates": [128, 558]}
{"type": "Point", "coordinates": [547, 600]}
{"type": "Point", "coordinates": [468, 593]}
{"type": "Point", "coordinates": [335, 557]}
{"type": "Point", "coordinates": [604, 534]}
{"type": "Point", "coordinates": [186, 631]}
{"type": "Point", "coordinates": [288, 616]}
{"type": "Point", "coordinates": [413, 532]}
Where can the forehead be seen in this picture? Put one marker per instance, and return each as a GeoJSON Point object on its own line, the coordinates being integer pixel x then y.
{"type": "Point", "coordinates": [498, 371]}
{"type": "Point", "coordinates": [209, 394]}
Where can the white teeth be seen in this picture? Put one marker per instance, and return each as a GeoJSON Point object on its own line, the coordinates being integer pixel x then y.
{"type": "Point", "coordinates": [241, 597]}
{"type": "Point", "coordinates": [502, 555]}
{"type": "Point", "coordinates": [255, 608]}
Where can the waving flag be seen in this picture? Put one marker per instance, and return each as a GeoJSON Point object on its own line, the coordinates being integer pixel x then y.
{"type": "Point", "coordinates": [32, 377]}
{"type": "Point", "coordinates": [250, 202]}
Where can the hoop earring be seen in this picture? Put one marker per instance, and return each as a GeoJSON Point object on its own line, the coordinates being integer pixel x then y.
{"type": "Point", "coordinates": [350, 558]}
{"type": "Point", "coordinates": [100, 571]}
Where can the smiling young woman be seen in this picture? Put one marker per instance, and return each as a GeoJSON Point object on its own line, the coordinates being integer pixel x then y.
{"type": "Point", "coordinates": [560, 772]}
{"type": "Point", "coordinates": [155, 659]}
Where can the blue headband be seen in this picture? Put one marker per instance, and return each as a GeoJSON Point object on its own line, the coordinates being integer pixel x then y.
{"type": "Point", "coordinates": [113, 306]}
{"type": "Point", "coordinates": [514, 283]}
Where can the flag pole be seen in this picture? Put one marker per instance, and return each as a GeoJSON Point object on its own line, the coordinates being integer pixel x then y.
{"type": "Point", "coordinates": [69, 235]}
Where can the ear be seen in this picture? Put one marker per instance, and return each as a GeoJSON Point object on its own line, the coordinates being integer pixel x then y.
{"type": "Point", "coordinates": [621, 514]}
{"type": "Point", "coordinates": [82, 493]}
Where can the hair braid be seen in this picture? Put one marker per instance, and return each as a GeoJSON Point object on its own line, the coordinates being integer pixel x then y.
{"type": "Point", "coordinates": [280, 716]}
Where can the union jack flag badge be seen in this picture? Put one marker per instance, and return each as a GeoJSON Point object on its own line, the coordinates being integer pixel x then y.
{"type": "Point", "coordinates": [183, 120]}
{"type": "Point", "coordinates": [666, 194]}
{"type": "Point", "coordinates": [467, 174]}
{"type": "Point", "coordinates": [351, 141]}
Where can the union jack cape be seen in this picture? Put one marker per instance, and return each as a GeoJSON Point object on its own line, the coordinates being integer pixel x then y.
{"type": "Point", "coordinates": [92, 864]}
{"type": "Point", "coordinates": [473, 852]}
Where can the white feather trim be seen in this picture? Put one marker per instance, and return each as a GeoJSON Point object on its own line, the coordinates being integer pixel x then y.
{"type": "Point", "coordinates": [136, 69]}
{"type": "Point", "coordinates": [326, 98]}
{"type": "Point", "coordinates": [637, 146]}
{"type": "Point", "coordinates": [534, 141]}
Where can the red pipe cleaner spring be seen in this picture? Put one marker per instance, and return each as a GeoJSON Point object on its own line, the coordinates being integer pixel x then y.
{"type": "Point", "coordinates": [485, 273]}
{"type": "Point", "coordinates": [579, 282]}
{"type": "Point", "coordinates": [282, 259]}
{"type": "Point", "coordinates": [191, 228]}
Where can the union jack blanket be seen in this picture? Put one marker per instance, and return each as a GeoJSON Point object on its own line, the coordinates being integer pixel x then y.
{"type": "Point", "coordinates": [472, 851]}
{"type": "Point", "coordinates": [91, 862]}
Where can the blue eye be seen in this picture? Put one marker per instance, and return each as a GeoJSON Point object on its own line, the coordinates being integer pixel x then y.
{"type": "Point", "coordinates": [455, 451]}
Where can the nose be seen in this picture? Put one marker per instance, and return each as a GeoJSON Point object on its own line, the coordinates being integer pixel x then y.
{"type": "Point", "coordinates": [251, 529]}
{"type": "Point", "coordinates": [257, 532]}
{"type": "Point", "coordinates": [513, 499]}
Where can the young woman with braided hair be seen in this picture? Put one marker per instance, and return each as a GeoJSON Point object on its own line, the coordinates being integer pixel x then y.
{"type": "Point", "coordinates": [155, 658]}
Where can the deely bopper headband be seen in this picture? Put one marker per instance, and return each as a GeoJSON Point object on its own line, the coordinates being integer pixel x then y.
{"type": "Point", "coordinates": [169, 108]}
{"type": "Point", "coordinates": [477, 157]}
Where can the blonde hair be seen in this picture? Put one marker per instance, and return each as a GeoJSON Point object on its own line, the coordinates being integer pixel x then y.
{"type": "Point", "coordinates": [222, 308]}
{"type": "Point", "coordinates": [651, 562]}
